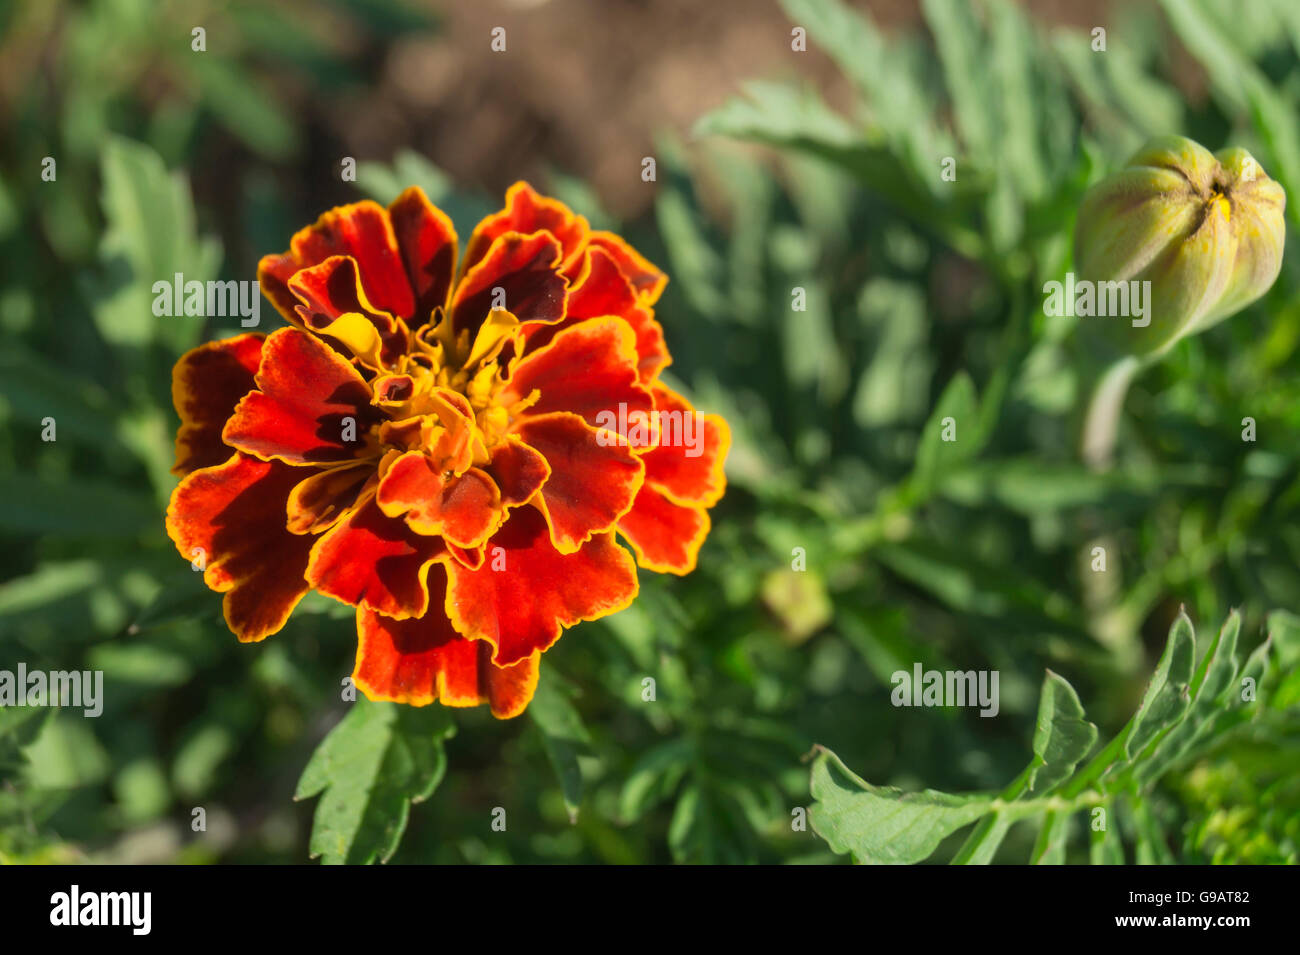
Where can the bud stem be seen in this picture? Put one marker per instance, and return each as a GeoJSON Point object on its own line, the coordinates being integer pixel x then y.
{"type": "Point", "coordinates": [1101, 426]}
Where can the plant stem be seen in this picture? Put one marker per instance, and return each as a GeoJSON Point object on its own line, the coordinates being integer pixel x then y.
{"type": "Point", "coordinates": [1101, 426]}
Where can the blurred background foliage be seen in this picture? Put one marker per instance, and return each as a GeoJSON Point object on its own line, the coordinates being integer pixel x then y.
{"type": "Point", "coordinates": [817, 171]}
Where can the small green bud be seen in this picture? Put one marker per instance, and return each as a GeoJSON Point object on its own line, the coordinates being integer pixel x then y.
{"type": "Point", "coordinates": [1206, 230]}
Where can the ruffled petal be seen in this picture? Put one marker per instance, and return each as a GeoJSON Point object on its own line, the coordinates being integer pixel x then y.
{"type": "Point", "coordinates": [665, 536]}
{"type": "Point", "coordinates": [207, 383]}
{"type": "Point", "coordinates": [687, 463]}
{"type": "Point", "coordinates": [600, 290]}
{"type": "Point", "coordinates": [231, 520]}
{"type": "Point", "coordinates": [319, 502]}
{"type": "Point", "coordinates": [427, 241]}
{"type": "Point", "coordinates": [527, 592]}
{"type": "Point", "coordinates": [361, 230]}
{"type": "Point", "coordinates": [648, 280]}
{"type": "Point", "coordinates": [374, 561]}
{"type": "Point", "coordinates": [591, 370]}
{"type": "Point", "coordinates": [594, 477]}
{"type": "Point", "coordinates": [518, 470]}
{"type": "Point", "coordinates": [306, 390]}
{"type": "Point", "coordinates": [273, 274]}
{"type": "Point", "coordinates": [471, 557]}
{"type": "Point", "coordinates": [331, 291]}
{"type": "Point", "coordinates": [527, 271]}
{"type": "Point", "coordinates": [410, 661]}
{"type": "Point", "coordinates": [527, 212]}
{"type": "Point", "coordinates": [465, 509]}
{"type": "Point", "coordinates": [423, 659]}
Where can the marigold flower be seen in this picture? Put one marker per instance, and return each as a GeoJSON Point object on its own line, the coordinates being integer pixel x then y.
{"type": "Point", "coordinates": [453, 451]}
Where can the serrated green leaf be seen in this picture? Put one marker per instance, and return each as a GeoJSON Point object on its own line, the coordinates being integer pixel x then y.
{"type": "Point", "coordinates": [1254, 670]}
{"type": "Point", "coordinates": [1062, 737]}
{"type": "Point", "coordinates": [1213, 678]}
{"type": "Point", "coordinates": [379, 759]}
{"type": "Point", "coordinates": [879, 824]}
{"type": "Point", "coordinates": [1167, 696]}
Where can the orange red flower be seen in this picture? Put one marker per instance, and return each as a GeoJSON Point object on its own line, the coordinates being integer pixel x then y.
{"type": "Point", "coordinates": [455, 449]}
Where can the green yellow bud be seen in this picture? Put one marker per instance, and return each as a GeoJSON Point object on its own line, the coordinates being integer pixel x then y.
{"type": "Point", "coordinates": [1206, 230]}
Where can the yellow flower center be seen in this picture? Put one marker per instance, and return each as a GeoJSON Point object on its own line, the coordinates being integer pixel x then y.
{"type": "Point", "coordinates": [442, 395]}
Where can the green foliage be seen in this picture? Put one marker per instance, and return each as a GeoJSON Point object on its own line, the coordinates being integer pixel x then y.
{"type": "Point", "coordinates": [1187, 709]}
{"type": "Point", "coordinates": [379, 760]}
{"type": "Point", "coordinates": [854, 540]}
{"type": "Point", "coordinates": [149, 231]}
{"type": "Point", "coordinates": [563, 735]}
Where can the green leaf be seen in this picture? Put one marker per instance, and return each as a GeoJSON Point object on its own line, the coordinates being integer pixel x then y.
{"type": "Point", "coordinates": [384, 183]}
{"type": "Point", "coordinates": [894, 386]}
{"type": "Point", "coordinates": [1053, 833]}
{"type": "Point", "coordinates": [243, 107]}
{"type": "Point", "coordinates": [1012, 68]}
{"type": "Point", "coordinates": [379, 759]}
{"type": "Point", "coordinates": [781, 115]}
{"type": "Point", "coordinates": [654, 777]}
{"type": "Point", "coordinates": [1284, 632]}
{"type": "Point", "coordinates": [150, 236]}
{"type": "Point", "coordinates": [1105, 846]}
{"type": "Point", "coordinates": [880, 824]}
{"type": "Point", "coordinates": [75, 509]}
{"type": "Point", "coordinates": [886, 825]}
{"type": "Point", "coordinates": [1033, 487]}
{"type": "Point", "coordinates": [945, 444]}
{"type": "Point", "coordinates": [51, 583]}
{"type": "Point", "coordinates": [19, 727]}
{"type": "Point", "coordinates": [35, 389]}
{"type": "Point", "coordinates": [1167, 696]}
{"type": "Point", "coordinates": [696, 264]}
{"type": "Point", "coordinates": [982, 844]}
{"type": "Point", "coordinates": [1213, 679]}
{"type": "Point", "coordinates": [1152, 844]}
{"type": "Point", "coordinates": [957, 36]}
{"type": "Point", "coordinates": [1221, 60]}
{"type": "Point", "coordinates": [1062, 737]}
{"type": "Point", "coordinates": [563, 735]}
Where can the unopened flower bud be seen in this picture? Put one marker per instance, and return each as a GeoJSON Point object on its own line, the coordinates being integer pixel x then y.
{"type": "Point", "coordinates": [1206, 230]}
